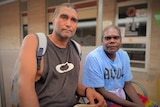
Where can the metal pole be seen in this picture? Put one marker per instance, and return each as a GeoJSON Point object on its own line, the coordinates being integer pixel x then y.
{"type": "Point", "coordinates": [2, 92]}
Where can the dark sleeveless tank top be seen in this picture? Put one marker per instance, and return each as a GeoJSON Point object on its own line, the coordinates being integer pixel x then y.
{"type": "Point", "coordinates": [58, 83]}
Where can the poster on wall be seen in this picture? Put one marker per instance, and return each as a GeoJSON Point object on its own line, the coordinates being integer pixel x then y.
{"type": "Point", "coordinates": [157, 17]}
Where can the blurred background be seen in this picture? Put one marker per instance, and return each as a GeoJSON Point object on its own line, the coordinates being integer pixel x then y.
{"type": "Point", "coordinates": [139, 21]}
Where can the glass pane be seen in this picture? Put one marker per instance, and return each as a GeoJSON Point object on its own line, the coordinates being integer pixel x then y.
{"type": "Point", "coordinates": [142, 46]}
{"type": "Point", "coordinates": [50, 26]}
{"type": "Point", "coordinates": [86, 32]}
{"type": "Point", "coordinates": [123, 10]}
{"type": "Point", "coordinates": [136, 55]}
{"type": "Point", "coordinates": [134, 29]}
{"type": "Point", "coordinates": [25, 30]}
{"type": "Point", "coordinates": [134, 19]}
{"type": "Point", "coordinates": [138, 65]}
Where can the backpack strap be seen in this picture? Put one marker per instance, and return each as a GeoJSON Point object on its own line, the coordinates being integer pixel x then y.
{"type": "Point", "coordinates": [42, 46]}
{"type": "Point", "coordinates": [78, 48]}
{"type": "Point", "coordinates": [41, 49]}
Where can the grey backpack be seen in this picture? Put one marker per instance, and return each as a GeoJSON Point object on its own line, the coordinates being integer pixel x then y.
{"type": "Point", "coordinates": [41, 49]}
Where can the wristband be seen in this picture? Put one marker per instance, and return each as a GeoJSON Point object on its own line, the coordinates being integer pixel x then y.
{"type": "Point", "coordinates": [85, 91]}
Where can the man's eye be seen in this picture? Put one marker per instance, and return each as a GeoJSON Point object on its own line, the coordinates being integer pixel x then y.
{"type": "Point", "coordinates": [74, 20]}
{"type": "Point", "coordinates": [64, 16]}
{"type": "Point", "coordinates": [107, 38]}
{"type": "Point", "coordinates": [116, 37]}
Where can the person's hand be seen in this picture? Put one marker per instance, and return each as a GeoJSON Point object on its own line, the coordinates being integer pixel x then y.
{"type": "Point", "coordinates": [95, 98]}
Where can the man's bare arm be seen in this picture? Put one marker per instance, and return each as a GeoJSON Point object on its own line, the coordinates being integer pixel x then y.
{"type": "Point", "coordinates": [27, 73]}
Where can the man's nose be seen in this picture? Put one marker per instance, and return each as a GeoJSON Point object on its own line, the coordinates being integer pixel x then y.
{"type": "Point", "coordinates": [68, 22]}
{"type": "Point", "coordinates": [112, 40]}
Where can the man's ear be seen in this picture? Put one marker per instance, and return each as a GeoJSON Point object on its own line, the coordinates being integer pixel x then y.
{"type": "Point", "coordinates": [53, 20]}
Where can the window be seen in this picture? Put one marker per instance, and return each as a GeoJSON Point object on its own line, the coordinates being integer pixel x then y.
{"type": "Point", "coordinates": [50, 26]}
{"type": "Point", "coordinates": [132, 18]}
{"type": "Point", "coordinates": [25, 30]}
{"type": "Point", "coordinates": [86, 32]}
{"type": "Point", "coordinates": [135, 25]}
{"type": "Point", "coordinates": [136, 53]}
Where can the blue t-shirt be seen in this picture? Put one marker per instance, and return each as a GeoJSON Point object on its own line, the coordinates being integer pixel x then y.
{"type": "Point", "coordinates": [100, 71]}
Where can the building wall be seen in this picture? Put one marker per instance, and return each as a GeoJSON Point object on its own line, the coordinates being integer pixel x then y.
{"type": "Point", "coordinates": [153, 81]}
{"type": "Point", "coordinates": [37, 16]}
{"type": "Point", "coordinates": [109, 9]}
{"type": "Point", "coordinates": [155, 37]}
{"type": "Point", "coordinates": [10, 26]}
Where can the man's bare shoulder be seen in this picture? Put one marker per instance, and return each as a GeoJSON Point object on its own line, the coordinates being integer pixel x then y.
{"type": "Point", "coordinates": [29, 41]}
{"type": "Point", "coordinates": [29, 47]}
{"type": "Point", "coordinates": [30, 38]}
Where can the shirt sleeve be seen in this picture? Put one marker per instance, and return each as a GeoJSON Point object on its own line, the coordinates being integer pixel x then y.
{"type": "Point", "coordinates": [92, 73]}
